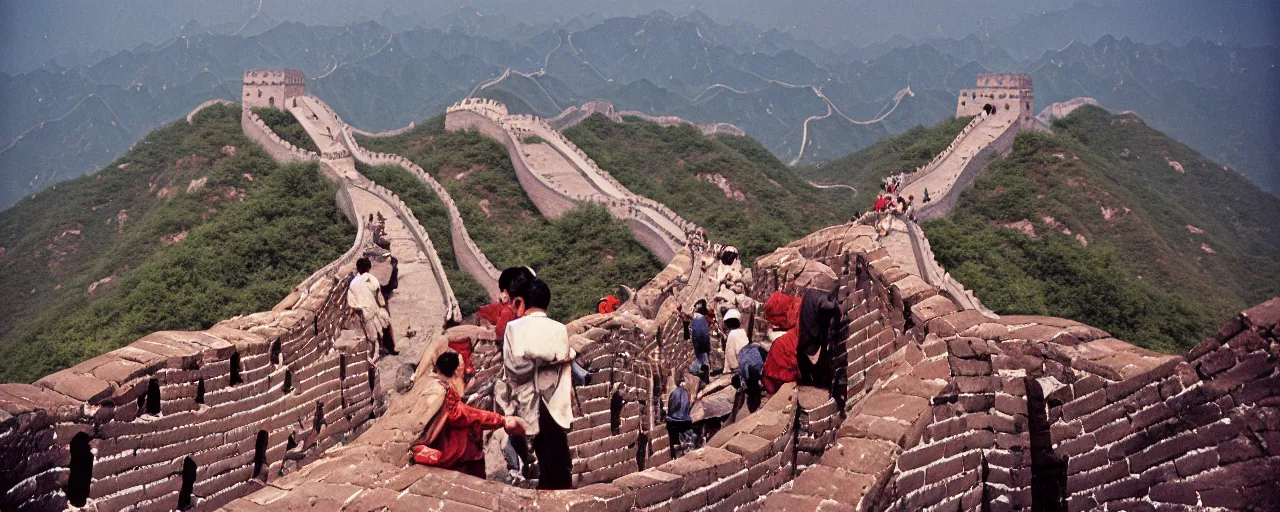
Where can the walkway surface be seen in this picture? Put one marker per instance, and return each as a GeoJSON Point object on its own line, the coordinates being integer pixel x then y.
{"type": "Point", "coordinates": [417, 307]}
{"type": "Point", "coordinates": [940, 179]}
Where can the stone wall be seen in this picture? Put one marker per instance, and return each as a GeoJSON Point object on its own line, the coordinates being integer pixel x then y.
{"type": "Point", "coordinates": [193, 418]}
{"type": "Point", "coordinates": [943, 204]}
{"type": "Point", "coordinates": [280, 150]}
{"type": "Point", "coordinates": [658, 227]}
{"type": "Point", "coordinates": [470, 258]}
{"type": "Point", "coordinates": [955, 143]}
{"type": "Point", "coordinates": [550, 202]}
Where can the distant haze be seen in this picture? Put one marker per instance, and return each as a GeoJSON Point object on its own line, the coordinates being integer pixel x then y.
{"type": "Point", "coordinates": [75, 32]}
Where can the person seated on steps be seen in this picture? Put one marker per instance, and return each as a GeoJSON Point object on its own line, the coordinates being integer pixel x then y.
{"type": "Point", "coordinates": [783, 311]}
{"type": "Point", "coordinates": [454, 438]}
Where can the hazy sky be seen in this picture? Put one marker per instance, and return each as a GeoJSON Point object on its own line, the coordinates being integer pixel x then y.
{"type": "Point", "coordinates": [34, 31]}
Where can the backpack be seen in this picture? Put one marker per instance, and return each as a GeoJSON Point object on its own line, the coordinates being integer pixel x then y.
{"type": "Point", "coordinates": [700, 331]}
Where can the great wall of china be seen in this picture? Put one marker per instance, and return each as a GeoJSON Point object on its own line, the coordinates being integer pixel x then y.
{"type": "Point", "coordinates": [573, 115]}
{"type": "Point", "coordinates": [934, 404]}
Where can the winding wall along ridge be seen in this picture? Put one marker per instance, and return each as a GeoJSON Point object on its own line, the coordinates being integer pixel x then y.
{"type": "Point", "coordinates": [661, 230]}
{"type": "Point", "coordinates": [340, 163]}
{"type": "Point", "coordinates": [468, 253]}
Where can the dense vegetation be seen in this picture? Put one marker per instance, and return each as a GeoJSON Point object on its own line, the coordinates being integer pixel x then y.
{"type": "Point", "coordinates": [584, 255]}
{"type": "Point", "coordinates": [1170, 253]}
{"type": "Point", "coordinates": [214, 229]}
{"type": "Point", "coordinates": [287, 127]}
{"type": "Point", "coordinates": [865, 170]}
{"type": "Point", "coordinates": [765, 206]}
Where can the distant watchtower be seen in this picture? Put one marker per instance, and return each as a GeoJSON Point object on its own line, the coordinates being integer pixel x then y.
{"type": "Point", "coordinates": [270, 87]}
{"type": "Point", "coordinates": [1002, 94]}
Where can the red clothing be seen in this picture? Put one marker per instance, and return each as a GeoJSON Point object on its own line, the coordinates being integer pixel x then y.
{"type": "Point", "coordinates": [460, 443]}
{"type": "Point", "coordinates": [882, 204]}
{"type": "Point", "coordinates": [782, 311]}
{"type": "Point", "coordinates": [498, 314]}
{"type": "Point", "coordinates": [781, 366]}
{"type": "Point", "coordinates": [462, 346]}
{"type": "Point", "coordinates": [608, 304]}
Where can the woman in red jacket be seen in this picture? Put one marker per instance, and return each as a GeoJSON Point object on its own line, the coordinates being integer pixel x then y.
{"type": "Point", "coordinates": [781, 366]}
{"type": "Point", "coordinates": [454, 438]}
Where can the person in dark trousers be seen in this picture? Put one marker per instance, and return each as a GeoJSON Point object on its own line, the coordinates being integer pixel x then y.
{"type": "Point", "coordinates": [679, 422]}
{"type": "Point", "coordinates": [536, 382]}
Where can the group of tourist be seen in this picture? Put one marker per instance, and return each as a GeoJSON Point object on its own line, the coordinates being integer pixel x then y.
{"type": "Point", "coordinates": [890, 203]}
{"type": "Point", "coordinates": [534, 391]}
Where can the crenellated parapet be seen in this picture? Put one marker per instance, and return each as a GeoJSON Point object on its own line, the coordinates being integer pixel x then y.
{"type": "Point", "coordinates": [194, 418]}
{"type": "Point", "coordinates": [557, 180]}
{"type": "Point", "coordinates": [465, 249]}
{"type": "Point", "coordinates": [279, 149]}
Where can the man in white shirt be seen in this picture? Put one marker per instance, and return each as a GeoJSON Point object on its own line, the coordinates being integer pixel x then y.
{"type": "Point", "coordinates": [536, 384]}
{"type": "Point", "coordinates": [734, 341]}
{"type": "Point", "coordinates": [365, 296]}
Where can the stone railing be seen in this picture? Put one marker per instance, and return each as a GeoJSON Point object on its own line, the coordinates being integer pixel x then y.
{"type": "Point", "coordinates": [468, 253]}
{"type": "Point", "coordinates": [384, 133]}
{"type": "Point", "coordinates": [217, 101]}
{"type": "Point", "coordinates": [193, 419]}
{"type": "Point", "coordinates": [279, 149]}
{"type": "Point", "coordinates": [934, 274]}
{"type": "Point", "coordinates": [951, 148]}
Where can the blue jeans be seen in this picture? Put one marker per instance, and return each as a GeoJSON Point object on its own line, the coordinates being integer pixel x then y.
{"type": "Point", "coordinates": [699, 362]}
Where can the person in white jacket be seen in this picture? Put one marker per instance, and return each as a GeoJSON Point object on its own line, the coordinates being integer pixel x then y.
{"type": "Point", "coordinates": [364, 295]}
{"type": "Point", "coordinates": [537, 384]}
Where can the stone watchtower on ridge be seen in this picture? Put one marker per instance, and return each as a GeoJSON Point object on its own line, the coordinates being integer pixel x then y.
{"type": "Point", "coordinates": [1000, 93]}
{"type": "Point", "coordinates": [270, 87]}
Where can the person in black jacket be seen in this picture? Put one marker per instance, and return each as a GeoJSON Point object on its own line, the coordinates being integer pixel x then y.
{"type": "Point", "coordinates": [813, 351]}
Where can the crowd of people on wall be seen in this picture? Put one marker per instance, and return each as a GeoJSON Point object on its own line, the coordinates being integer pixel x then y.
{"type": "Point", "coordinates": [534, 391]}
{"type": "Point", "coordinates": [890, 203]}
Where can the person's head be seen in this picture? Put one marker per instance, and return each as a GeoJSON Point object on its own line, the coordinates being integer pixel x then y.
{"type": "Point", "coordinates": [448, 364]}
{"type": "Point", "coordinates": [732, 319]}
{"type": "Point", "coordinates": [534, 295]}
{"type": "Point", "coordinates": [512, 279]}
{"type": "Point", "coordinates": [730, 253]}
{"type": "Point", "coordinates": [363, 265]}
{"type": "Point", "coordinates": [700, 307]}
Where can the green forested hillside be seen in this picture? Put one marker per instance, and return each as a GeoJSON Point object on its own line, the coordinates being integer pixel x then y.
{"type": "Point", "coordinates": [730, 185]}
{"type": "Point", "coordinates": [1133, 232]}
{"type": "Point", "coordinates": [287, 127]}
{"type": "Point", "coordinates": [865, 169]}
{"type": "Point", "coordinates": [583, 255]}
{"type": "Point", "coordinates": [194, 225]}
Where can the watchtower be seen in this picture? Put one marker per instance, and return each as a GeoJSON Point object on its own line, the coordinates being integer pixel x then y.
{"type": "Point", "coordinates": [1002, 94]}
{"type": "Point", "coordinates": [270, 87]}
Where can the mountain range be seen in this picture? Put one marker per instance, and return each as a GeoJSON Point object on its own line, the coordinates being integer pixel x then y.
{"type": "Point", "coordinates": [803, 101]}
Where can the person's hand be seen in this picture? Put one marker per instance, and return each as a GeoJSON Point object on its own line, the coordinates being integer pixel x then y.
{"type": "Point", "coordinates": [514, 425]}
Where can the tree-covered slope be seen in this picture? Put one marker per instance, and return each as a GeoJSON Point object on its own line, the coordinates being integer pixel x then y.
{"type": "Point", "coordinates": [583, 255]}
{"type": "Point", "coordinates": [1112, 223]}
{"type": "Point", "coordinates": [194, 225]}
{"type": "Point", "coordinates": [287, 127]}
{"type": "Point", "coordinates": [865, 170]}
{"type": "Point", "coordinates": [730, 185]}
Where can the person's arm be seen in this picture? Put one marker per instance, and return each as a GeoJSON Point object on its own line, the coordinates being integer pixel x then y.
{"type": "Point", "coordinates": [463, 415]}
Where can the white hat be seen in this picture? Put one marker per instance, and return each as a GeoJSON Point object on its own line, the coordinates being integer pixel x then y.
{"type": "Point", "coordinates": [732, 314]}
